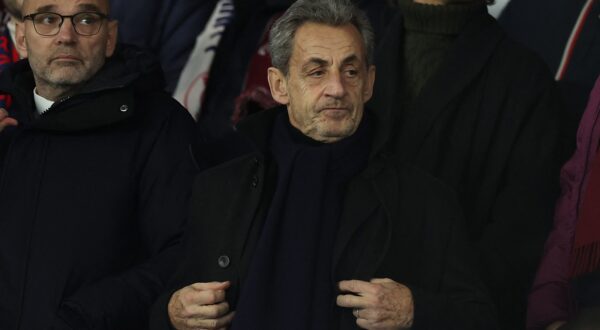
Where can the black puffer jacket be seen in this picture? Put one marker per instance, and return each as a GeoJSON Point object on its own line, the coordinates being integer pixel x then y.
{"type": "Point", "coordinates": [93, 198]}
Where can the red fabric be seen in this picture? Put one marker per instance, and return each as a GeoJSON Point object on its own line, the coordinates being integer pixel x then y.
{"type": "Point", "coordinates": [8, 55]}
{"type": "Point", "coordinates": [256, 94]}
{"type": "Point", "coordinates": [586, 246]}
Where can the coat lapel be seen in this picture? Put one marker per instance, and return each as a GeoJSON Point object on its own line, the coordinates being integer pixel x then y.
{"type": "Point", "coordinates": [365, 224]}
{"type": "Point", "coordinates": [464, 61]}
{"type": "Point", "coordinates": [359, 204]}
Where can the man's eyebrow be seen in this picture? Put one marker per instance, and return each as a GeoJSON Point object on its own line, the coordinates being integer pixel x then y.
{"type": "Point", "coordinates": [350, 59]}
{"type": "Point", "coordinates": [82, 7]}
{"type": "Point", "coordinates": [45, 8]}
{"type": "Point", "coordinates": [315, 61]}
{"type": "Point", "coordinates": [89, 7]}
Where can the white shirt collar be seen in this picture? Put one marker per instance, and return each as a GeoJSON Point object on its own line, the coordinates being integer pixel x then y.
{"type": "Point", "coordinates": [41, 103]}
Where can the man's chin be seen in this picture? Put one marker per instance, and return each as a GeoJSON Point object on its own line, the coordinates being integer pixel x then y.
{"type": "Point", "coordinates": [66, 79]}
{"type": "Point", "coordinates": [332, 134]}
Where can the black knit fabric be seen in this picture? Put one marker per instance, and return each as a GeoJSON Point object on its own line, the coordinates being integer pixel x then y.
{"type": "Point", "coordinates": [430, 31]}
{"type": "Point", "coordinates": [289, 283]}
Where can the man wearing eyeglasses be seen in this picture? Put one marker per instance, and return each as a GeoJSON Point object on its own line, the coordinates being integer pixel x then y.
{"type": "Point", "coordinates": [94, 174]}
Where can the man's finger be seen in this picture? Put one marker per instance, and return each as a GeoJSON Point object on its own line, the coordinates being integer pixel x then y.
{"type": "Point", "coordinates": [374, 315]}
{"type": "Point", "coordinates": [364, 324]}
{"type": "Point", "coordinates": [211, 286]}
{"type": "Point", "coordinates": [352, 301]}
{"type": "Point", "coordinates": [206, 311]}
{"type": "Point", "coordinates": [206, 297]}
{"type": "Point", "coordinates": [211, 323]}
{"type": "Point", "coordinates": [357, 286]}
{"type": "Point", "coordinates": [381, 280]}
{"type": "Point", "coordinates": [8, 121]}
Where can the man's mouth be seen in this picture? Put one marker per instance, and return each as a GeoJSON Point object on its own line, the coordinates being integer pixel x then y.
{"type": "Point", "coordinates": [335, 112]}
{"type": "Point", "coordinates": [65, 58]}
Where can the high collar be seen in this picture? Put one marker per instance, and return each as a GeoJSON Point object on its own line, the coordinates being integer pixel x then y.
{"type": "Point", "coordinates": [105, 99]}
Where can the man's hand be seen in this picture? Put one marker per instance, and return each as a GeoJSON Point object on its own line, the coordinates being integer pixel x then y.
{"type": "Point", "coordinates": [556, 325]}
{"type": "Point", "coordinates": [200, 306]}
{"type": "Point", "coordinates": [5, 120]}
{"type": "Point", "coordinates": [379, 304]}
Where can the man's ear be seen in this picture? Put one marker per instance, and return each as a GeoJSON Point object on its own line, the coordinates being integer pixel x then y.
{"type": "Point", "coordinates": [20, 42]}
{"type": "Point", "coordinates": [368, 88]}
{"type": "Point", "coordinates": [278, 85]}
{"type": "Point", "coordinates": [111, 40]}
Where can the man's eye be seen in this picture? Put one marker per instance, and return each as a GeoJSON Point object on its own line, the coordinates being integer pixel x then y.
{"type": "Point", "coordinates": [87, 20]}
{"type": "Point", "coordinates": [351, 73]}
{"type": "Point", "coordinates": [317, 73]}
{"type": "Point", "coordinates": [47, 19]}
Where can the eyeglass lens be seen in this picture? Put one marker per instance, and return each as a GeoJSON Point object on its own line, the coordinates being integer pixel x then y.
{"type": "Point", "coordinates": [84, 23]}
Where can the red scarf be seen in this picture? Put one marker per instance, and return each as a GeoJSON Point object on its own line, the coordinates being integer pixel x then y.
{"type": "Point", "coordinates": [586, 246]}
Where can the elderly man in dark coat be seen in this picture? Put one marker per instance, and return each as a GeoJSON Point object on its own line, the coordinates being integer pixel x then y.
{"type": "Point", "coordinates": [479, 112]}
{"type": "Point", "coordinates": [306, 223]}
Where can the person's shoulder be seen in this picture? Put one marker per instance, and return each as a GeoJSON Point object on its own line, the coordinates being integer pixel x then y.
{"type": "Point", "coordinates": [159, 105]}
{"type": "Point", "coordinates": [516, 58]}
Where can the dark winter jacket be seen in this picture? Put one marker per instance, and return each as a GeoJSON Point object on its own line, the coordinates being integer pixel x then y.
{"type": "Point", "coordinates": [552, 298]}
{"type": "Point", "coordinates": [487, 123]}
{"type": "Point", "coordinates": [93, 197]}
{"type": "Point", "coordinates": [396, 222]}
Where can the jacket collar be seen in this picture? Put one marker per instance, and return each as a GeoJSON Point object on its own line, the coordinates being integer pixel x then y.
{"type": "Point", "coordinates": [111, 91]}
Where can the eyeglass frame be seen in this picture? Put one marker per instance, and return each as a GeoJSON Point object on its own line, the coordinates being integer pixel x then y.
{"type": "Point", "coordinates": [31, 17]}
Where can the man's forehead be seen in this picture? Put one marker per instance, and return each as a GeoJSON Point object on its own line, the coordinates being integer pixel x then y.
{"type": "Point", "coordinates": [30, 6]}
{"type": "Point", "coordinates": [314, 40]}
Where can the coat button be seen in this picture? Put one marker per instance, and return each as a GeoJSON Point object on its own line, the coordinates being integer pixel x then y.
{"type": "Point", "coordinates": [254, 181]}
{"type": "Point", "coordinates": [224, 261]}
{"type": "Point", "coordinates": [124, 108]}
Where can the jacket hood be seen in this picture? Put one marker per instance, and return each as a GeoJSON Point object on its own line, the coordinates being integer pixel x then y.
{"type": "Point", "coordinates": [107, 98]}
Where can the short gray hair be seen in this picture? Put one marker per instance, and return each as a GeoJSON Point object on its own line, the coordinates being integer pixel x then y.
{"type": "Point", "coordinates": [328, 12]}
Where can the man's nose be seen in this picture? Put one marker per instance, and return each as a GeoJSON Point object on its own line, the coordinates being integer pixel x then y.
{"type": "Point", "coordinates": [67, 33]}
{"type": "Point", "coordinates": [335, 85]}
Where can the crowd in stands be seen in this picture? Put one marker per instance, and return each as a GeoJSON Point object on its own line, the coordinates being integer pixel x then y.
{"type": "Point", "coordinates": [441, 155]}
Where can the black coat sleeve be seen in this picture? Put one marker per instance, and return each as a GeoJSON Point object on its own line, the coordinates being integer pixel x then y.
{"type": "Point", "coordinates": [456, 298]}
{"type": "Point", "coordinates": [461, 301]}
{"type": "Point", "coordinates": [521, 212]}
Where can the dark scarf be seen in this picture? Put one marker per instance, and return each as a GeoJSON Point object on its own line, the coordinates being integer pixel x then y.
{"type": "Point", "coordinates": [289, 283]}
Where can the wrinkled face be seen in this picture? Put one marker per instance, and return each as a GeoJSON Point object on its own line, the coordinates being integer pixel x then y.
{"type": "Point", "coordinates": [328, 81]}
{"type": "Point", "coordinates": [65, 60]}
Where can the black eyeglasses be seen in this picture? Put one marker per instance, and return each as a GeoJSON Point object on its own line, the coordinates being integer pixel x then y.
{"type": "Point", "coordinates": [49, 24]}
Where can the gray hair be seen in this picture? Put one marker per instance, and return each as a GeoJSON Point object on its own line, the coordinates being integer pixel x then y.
{"type": "Point", "coordinates": [13, 7]}
{"type": "Point", "coordinates": [328, 12]}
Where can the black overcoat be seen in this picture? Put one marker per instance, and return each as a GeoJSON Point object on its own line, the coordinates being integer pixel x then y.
{"type": "Point", "coordinates": [488, 124]}
{"type": "Point", "coordinates": [396, 222]}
